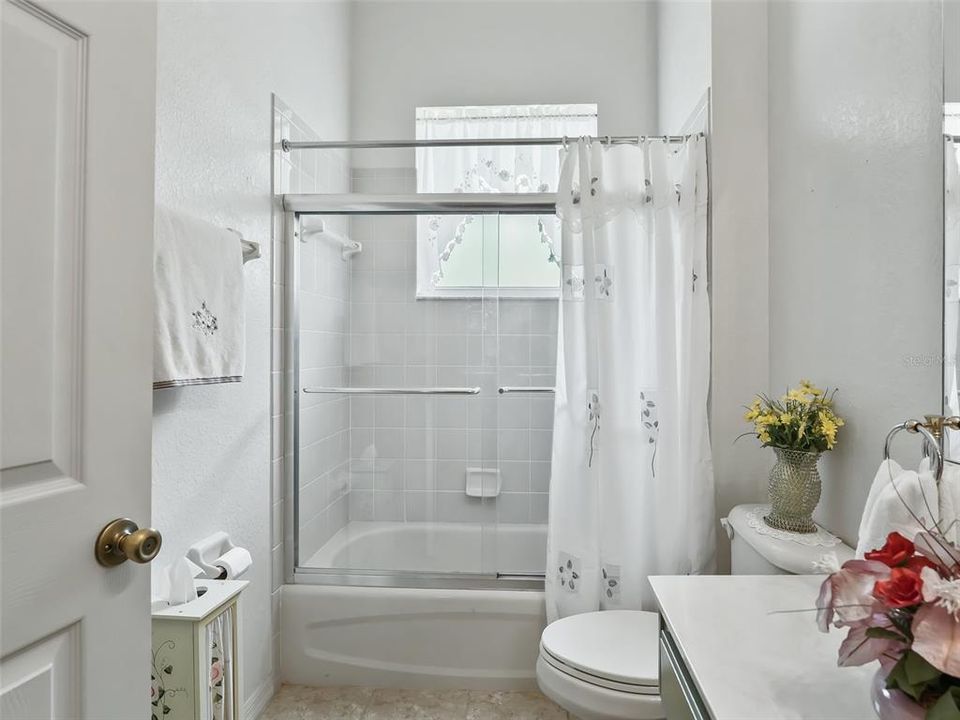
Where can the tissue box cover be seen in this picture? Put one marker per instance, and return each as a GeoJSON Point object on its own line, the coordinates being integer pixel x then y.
{"type": "Point", "coordinates": [194, 674]}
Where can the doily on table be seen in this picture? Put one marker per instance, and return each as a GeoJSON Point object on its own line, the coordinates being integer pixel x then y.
{"type": "Point", "coordinates": [820, 538]}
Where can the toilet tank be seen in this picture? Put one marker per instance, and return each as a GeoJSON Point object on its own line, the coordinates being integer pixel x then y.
{"type": "Point", "coordinates": [756, 549]}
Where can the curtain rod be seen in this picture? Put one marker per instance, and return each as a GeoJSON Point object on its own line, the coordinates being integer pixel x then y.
{"type": "Point", "coordinates": [288, 145]}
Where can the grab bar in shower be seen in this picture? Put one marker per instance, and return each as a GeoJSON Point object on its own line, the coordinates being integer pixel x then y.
{"type": "Point", "coordinates": [392, 390]}
{"type": "Point", "coordinates": [521, 576]}
{"type": "Point", "coordinates": [524, 389]}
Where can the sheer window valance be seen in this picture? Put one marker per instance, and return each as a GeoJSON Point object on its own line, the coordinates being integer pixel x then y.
{"type": "Point", "coordinates": [526, 259]}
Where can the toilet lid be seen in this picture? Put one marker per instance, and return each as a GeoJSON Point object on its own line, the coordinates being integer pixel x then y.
{"type": "Point", "coordinates": [618, 645]}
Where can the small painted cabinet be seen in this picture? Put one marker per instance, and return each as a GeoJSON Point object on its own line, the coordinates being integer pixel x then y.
{"type": "Point", "coordinates": [195, 673]}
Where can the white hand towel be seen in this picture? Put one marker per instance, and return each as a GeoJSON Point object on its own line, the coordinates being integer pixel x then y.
{"type": "Point", "coordinates": [198, 310]}
{"type": "Point", "coordinates": [894, 493]}
{"type": "Point", "coordinates": [950, 503]}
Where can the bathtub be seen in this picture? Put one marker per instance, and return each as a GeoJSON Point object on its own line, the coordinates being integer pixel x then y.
{"type": "Point", "coordinates": [485, 639]}
{"type": "Point", "coordinates": [514, 548]}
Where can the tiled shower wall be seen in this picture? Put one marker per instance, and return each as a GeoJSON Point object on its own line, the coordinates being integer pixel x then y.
{"type": "Point", "coordinates": [409, 455]}
{"type": "Point", "coordinates": [324, 324]}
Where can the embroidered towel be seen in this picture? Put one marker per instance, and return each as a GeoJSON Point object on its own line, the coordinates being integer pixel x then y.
{"type": "Point", "coordinates": [198, 309]}
{"type": "Point", "coordinates": [896, 496]}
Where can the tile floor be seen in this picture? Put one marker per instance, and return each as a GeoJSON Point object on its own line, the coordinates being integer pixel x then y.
{"type": "Point", "coordinates": [296, 702]}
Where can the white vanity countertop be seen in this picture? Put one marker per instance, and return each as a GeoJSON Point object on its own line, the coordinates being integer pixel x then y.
{"type": "Point", "coordinates": [749, 660]}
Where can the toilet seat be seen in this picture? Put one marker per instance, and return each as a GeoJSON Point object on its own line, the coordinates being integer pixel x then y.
{"type": "Point", "coordinates": [614, 648]}
{"type": "Point", "coordinates": [596, 679]}
{"type": "Point", "coordinates": [603, 665]}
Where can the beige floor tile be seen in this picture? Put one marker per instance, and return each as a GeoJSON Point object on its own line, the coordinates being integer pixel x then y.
{"type": "Point", "coordinates": [297, 702]}
{"type": "Point", "coordinates": [393, 704]}
{"type": "Point", "coordinates": [512, 706]}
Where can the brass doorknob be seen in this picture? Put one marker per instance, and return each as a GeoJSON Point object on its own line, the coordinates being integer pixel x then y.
{"type": "Point", "coordinates": [122, 540]}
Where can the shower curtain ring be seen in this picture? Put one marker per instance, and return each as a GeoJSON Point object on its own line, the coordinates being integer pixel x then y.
{"type": "Point", "coordinates": [564, 142]}
{"type": "Point", "coordinates": [609, 141]}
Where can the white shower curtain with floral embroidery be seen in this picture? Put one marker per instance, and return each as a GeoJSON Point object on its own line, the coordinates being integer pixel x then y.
{"type": "Point", "coordinates": [631, 490]}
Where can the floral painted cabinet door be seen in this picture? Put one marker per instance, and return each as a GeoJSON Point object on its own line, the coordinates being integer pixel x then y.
{"type": "Point", "coordinates": [195, 672]}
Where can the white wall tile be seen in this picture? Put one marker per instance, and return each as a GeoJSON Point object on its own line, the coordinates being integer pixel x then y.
{"type": "Point", "coordinates": [361, 504]}
{"type": "Point", "coordinates": [540, 477]}
{"type": "Point", "coordinates": [515, 476]}
{"type": "Point", "coordinates": [451, 475]}
{"type": "Point", "coordinates": [514, 445]}
{"type": "Point", "coordinates": [388, 505]}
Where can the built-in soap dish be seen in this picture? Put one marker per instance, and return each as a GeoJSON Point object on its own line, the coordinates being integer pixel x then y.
{"type": "Point", "coordinates": [483, 482]}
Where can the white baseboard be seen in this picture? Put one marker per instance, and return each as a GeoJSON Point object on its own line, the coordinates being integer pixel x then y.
{"type": "Point", "coordinates": [255, 705]}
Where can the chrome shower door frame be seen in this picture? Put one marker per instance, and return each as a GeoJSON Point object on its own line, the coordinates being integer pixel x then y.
{"type": "Point", "coordinates": [292, 229]}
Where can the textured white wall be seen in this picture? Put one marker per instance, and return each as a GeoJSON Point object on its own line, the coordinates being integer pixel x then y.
{"type": "Point", "coordinates": [218, 64]}
{"type": "Point", "coordinates": [409, 54]}
{"type": "Point", "coordinates": [855, 221]}
{"type": "Point", "coordinates": [951, 50]}
{"type": "Point", "coordinates": [683, 62]}
{"type": "Point", "coordinates": [739, 291]}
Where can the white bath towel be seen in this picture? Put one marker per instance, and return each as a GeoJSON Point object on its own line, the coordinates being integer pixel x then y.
{"type": "Point", "coordinates": [894, 490]}
{"type": "Point", "coordinates": [198, 310]}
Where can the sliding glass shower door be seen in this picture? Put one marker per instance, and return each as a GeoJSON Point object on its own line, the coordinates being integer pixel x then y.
{"type": "Point", "coordinates": [425, 397]}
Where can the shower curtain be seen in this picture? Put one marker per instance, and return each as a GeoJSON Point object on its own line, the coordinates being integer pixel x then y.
{"type": "Point", "coordinates": [631, 492]}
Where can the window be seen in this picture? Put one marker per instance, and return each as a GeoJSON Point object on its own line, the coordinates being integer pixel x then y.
{"type": "Point", "coordinates": [516, 255]}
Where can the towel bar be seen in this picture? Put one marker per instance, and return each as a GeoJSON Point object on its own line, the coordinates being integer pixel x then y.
{"type": "Point", "coordinates": [915, 426]}
{"type": "Point", "coordinates": [251, 249]}
{"type": "Point", "coordinates": [392, 391]}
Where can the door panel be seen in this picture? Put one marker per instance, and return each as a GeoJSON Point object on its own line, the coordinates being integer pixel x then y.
{"type": "Point", "coordinates": [43, 680]}
{"type": "Point", "coordinates": [77, 126]}
{"type": "Point", "coordinates": [44, 99]}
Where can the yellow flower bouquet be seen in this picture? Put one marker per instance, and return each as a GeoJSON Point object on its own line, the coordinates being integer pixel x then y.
{"type": "Point", "coordinates": [799, 426]}
{"type": "Point", "coordinates": [803, 419]}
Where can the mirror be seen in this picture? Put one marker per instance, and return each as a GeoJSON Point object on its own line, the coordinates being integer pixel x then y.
{"type": "Point", "coordinates": [951, 221]}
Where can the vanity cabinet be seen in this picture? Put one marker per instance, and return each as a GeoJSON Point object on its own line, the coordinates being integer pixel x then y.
{"type": "Point", "coordinates": [195, 655]}
{"type": "Point", "coordinates": [747, 647]}
{"type": "Point", "coordinates": [678, 693]}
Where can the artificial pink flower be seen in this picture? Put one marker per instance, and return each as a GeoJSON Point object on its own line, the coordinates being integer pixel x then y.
{"type": "Point", "coordinates": [936, 638]}
{"type": "Point", "coordinates": [848, 593]}
{"type": "Point", "coordinates": [896, 551]}
{"type": "Point", "coordinates": [859, 649]}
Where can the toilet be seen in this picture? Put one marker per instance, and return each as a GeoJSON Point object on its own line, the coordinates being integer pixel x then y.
{"type": "Point", "coordinates": [606, 665]}
{"type": "Point", "coordinates": [603, 665]}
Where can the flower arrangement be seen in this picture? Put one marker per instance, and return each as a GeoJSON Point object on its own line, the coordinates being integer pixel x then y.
{"type": "Point", "coordinates": [802, 420]}
{"type": "Point", "coordinates": [901, 604]}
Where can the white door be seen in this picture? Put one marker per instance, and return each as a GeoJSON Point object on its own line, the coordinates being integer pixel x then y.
{"type": "Point", "coordinates": [76, 246]}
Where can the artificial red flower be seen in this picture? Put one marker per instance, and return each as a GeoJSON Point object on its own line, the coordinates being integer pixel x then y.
{"type": "Point", "coordinates": [919, 562]}
{"type": "Point", "coordinates": [896, 551]}
{"type": "Point", "coordinates": [903, 589]}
